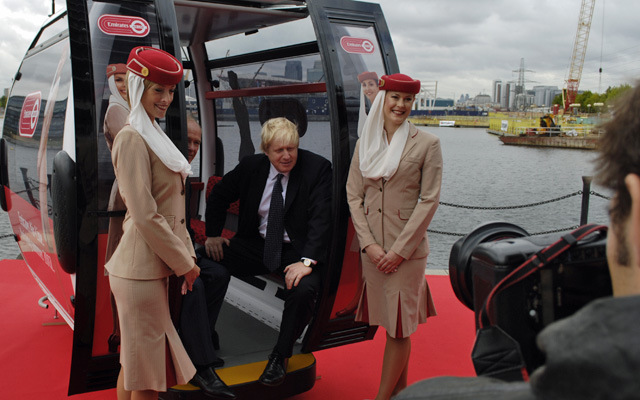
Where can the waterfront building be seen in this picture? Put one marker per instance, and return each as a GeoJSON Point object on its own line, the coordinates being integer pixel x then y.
{"type": "Point", "coordinates": [497, 91]}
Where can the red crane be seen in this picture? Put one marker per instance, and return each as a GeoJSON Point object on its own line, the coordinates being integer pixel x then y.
{"type": "Point", "coordinates": [579, 50]}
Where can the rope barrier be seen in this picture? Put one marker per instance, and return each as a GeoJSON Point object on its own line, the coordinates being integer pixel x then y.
{"type": "Point", "coordinates": [600, 195]}
{"type": "Point", "coordinates": [569, 228]}
{"type": "Point", "coordinates": [578, 193]}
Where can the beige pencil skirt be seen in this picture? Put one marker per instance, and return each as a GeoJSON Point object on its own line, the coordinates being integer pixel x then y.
{"type": "Point", "coordinates": [147, 334]}
{"type": "Point", "coordinates": [398, 301]}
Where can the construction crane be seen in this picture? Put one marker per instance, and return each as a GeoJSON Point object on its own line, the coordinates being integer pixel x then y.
{"type": "Point", "coordinates": [579, 50]}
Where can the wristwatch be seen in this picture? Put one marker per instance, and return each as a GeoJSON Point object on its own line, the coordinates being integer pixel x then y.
{"type": "Point", "coordinates": [306, 262]}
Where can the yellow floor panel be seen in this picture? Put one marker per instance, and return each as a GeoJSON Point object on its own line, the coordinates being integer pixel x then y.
{"type": "Point", "coordinates": [251, 372]}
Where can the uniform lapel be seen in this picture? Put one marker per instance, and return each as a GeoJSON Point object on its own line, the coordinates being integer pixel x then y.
{"type": "Point", "coordinates": [411, 140]}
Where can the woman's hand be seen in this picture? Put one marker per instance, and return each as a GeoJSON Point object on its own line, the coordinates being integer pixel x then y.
{"type": "Point", "coordinates": [390, 262]}
{"type": "Point", "coordinates": [189, 278]}
{"type": "Point", "coordinates": [375, 252]}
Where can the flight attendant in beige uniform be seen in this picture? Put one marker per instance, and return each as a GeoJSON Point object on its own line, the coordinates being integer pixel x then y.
{"type": "Point", "coordinates": [393, 191]}
{"type": "Point", "coordinates": [155, 243]}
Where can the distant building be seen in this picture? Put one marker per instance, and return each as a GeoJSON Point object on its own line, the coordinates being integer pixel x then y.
{"type": "Point", "coordinates": [315, 74]}
{"type": "Point", "coordinates": [497, 91]}
{"type": "Point", "coordinates": [482, 100]}
{"type": "Point", "coordinates": [506, 96]}
{"type": "Point", "coordinates": [543, 95]}
{"type": "Point", "coordinates": [293, 70]}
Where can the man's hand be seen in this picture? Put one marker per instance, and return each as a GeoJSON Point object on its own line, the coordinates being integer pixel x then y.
{"type": "Point", "coordinates": [213, 247]}
{"type": "Point", "coordinates": [189, 278]}
{"type": "Point", "coordinates": [294, 272]}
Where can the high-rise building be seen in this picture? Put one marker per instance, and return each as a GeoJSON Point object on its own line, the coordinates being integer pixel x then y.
{"type": "Point", "coordinates": [293, 70]}
{"type": "Point", "coordinates": [506, 97]}
{"type": "Point", "coordinates": [497, 91]}
{"type": "Point", "coordinates": [315, 74]}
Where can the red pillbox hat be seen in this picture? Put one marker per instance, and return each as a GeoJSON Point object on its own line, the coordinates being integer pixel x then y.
{"type": "Point", "coordinates": [399, 83]}
{"type": "Point", "coordinates": [116, 69]}
{"type": "Point", "coordinates": [367, 75]}
{"type": "Point", "coordinates": [155, 65]}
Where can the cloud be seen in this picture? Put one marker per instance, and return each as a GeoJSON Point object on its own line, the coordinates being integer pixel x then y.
{"type": "Point", "coordinates": [464, 45]}
{"type": "Point", "coordinates": [20, 20]}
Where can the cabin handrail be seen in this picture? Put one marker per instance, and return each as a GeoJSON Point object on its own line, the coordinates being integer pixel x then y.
{"type": "Point", "coordinates": [296, 88]}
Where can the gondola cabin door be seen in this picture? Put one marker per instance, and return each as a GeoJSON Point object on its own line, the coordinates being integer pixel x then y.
{"type": "Point", "coordinates": [245, 62]}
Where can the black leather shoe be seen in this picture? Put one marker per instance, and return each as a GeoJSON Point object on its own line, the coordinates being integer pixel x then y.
{"type": "Point", "coordinates": [275, 371]}
{"type": "Point", "coordinates": [208, 380]}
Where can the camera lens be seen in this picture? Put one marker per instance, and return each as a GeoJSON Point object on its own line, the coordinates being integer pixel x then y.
{"type": "Point", "coordinates": [460, 258]}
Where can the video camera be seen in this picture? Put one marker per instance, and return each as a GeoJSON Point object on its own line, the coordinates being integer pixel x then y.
{"type": "Point", "coordinates": [487, 275]}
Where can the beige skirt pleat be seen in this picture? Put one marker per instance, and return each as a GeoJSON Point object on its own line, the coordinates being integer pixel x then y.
{"type": "Point", "coordinates": [146, 329]}
{"type": "Point", "coordinates": [398, 301]}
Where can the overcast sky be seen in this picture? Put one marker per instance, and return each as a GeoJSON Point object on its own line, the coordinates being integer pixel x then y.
{"type": "Point", "coordinates": [464, 45]}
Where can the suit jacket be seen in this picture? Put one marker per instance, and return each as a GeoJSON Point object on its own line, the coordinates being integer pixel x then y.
{"type": "Point", "coordinates": [155, 242]}
{"type": "Point", "coordinates": [307, 205]}
{"type": "Point", "coordinates": [396, 213]}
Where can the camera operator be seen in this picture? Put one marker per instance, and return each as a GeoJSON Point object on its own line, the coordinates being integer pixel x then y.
{"type": "Point", "coordinates": [595, 353]}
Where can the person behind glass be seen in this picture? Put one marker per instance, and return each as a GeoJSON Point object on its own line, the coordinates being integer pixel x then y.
{"type": "Point", "coordinates": [115, 118]}
{"type": "Point", "coordinates": [594, 353]}
{"type": "Point", "coordinates": [393, 191]}
{"type": "Point", "coordinates": [369, 84]}
{"type": "Point", "coordinates": [368, 89]}
{"type": "Point", "coordinates": [201, 306]}
{"type": "Point", "coordinates": [284, 233]}
{"type": "Point", "coordinates": [151, 173]}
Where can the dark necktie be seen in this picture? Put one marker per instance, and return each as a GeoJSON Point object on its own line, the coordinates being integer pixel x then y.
{"type": "Point", "coordinates": [275, 228]}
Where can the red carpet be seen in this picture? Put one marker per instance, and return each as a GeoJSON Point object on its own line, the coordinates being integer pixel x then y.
{"type": "Point", "coordinates": [36, 353]}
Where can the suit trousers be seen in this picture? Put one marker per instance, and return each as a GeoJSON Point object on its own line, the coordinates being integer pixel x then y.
{"type": "Point", "coordinates": [244, 257]}
{"type": "Point", "coordinates": [200, 310]}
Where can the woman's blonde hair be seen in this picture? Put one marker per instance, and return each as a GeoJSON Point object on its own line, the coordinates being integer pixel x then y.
{"type": "Point", "coordinates": [146, 84]}
{"type": "Point", "coordinates": [279, 129]}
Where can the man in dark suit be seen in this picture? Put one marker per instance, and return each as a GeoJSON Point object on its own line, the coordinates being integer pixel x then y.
{"type": "Point", "coordinates": [285, 209]}
{"type": "Point", "coordinates": [201, 305]}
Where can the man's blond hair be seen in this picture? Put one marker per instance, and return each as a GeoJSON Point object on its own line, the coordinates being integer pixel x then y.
{"type": "Point", "coordinates": [279, 129]}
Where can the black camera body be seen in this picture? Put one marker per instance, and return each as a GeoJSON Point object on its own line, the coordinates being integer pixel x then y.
{"type": "Point", "coordinates": [482, 259]}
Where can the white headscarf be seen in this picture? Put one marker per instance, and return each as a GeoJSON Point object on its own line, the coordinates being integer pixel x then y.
{"type": "Point", "coordinates": [116, 97]}
{"type": "Point", "coordinates": [379, 159]}
{"type": "Point", "coordinates": [362, 114]}
{"type": "Point", "coordinates": [157, 140]}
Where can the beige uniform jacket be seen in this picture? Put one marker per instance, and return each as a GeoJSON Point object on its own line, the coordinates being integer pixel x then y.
{"type": "Point", "coordinates": [155, 242]}
{"type": "Point", "coordinates": [396, 213]}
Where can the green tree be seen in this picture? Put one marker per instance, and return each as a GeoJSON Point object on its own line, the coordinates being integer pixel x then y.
{"type": "Point", "coordinates": [588, 97]}
{"type": "Point", "coordinates": [613, 92]}
{"type": "Point", "coordinates": [3, 101]}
